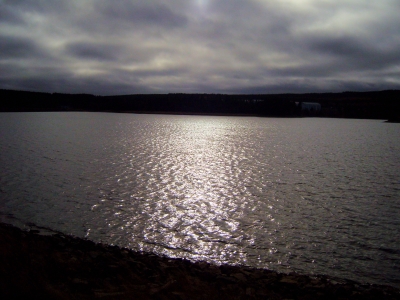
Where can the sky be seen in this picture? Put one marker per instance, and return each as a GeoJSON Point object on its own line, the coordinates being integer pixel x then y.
{"type": "Point", "coordinates": [105, 47]}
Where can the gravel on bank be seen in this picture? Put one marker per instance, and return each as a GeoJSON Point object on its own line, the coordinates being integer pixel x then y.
{"type": "Point", "coordinates": [59, 266]}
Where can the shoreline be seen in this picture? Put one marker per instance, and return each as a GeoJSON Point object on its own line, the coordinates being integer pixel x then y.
{"type": "Point", "coordinates": [64, 267]}
{"type": "Point", "coordinates": [355, 105]}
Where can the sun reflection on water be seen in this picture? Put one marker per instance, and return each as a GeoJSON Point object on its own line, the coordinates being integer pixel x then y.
{"type": "Point", "coordinates": [197, 213]}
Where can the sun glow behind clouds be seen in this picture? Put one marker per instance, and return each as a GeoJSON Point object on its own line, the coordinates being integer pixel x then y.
{"type": "Point", "coordinates": [202, 3]}
{"type": "Point", "coordinates": [298, 6]}
{"type": "Point", "coordinates": [201, 6]}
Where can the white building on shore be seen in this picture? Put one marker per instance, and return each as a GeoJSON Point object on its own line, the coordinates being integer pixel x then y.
{"type": "Point", "coordinates": [310, 106]}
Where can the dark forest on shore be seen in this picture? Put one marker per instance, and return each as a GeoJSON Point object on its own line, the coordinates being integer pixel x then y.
{"type": "Point", "coordinates": [365, 105]}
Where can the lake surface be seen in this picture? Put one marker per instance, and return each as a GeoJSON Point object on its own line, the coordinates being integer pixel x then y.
{"type": "Point", "coordinates": [315, 196]}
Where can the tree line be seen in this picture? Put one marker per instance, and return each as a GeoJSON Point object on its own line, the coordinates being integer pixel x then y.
{"type": "Point", "coordinates": [372, 105]}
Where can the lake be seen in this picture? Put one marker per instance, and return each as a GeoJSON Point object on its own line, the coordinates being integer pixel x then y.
{"type": "Point", "coordinates": [311, 195]}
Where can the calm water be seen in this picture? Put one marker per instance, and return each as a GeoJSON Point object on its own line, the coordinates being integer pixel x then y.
{"type": "Point", "coordinates": [318, 196]}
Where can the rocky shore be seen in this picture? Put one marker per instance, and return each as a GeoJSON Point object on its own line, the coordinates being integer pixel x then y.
{"type": "Point", "coordinates": [35, 266]}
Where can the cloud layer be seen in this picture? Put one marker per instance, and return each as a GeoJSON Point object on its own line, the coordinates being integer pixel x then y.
{"type": "Point", "coordinates": [207, 46]}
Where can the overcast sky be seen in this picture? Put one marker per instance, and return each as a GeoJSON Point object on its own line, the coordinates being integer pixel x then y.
{"type": "Point", "coordinates": [108, 47]}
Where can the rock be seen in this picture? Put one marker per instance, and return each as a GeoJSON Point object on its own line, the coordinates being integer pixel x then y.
{"type": "Point", "coordinates": [239, 276]}
{"type": "Point", "coordinates": [249, 291]}
{"type": "Point", "coordinates": [64, 267]}
{"type": "Point", "coordinates": [289, 279]}
{"type": "Point", "coordinates": [79, 281]}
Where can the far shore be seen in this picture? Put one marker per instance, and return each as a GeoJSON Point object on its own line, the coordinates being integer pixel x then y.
{"type": "Point", "coordinates": [35, 266]}
{"type": "Point", "coordinates": [378, 105]}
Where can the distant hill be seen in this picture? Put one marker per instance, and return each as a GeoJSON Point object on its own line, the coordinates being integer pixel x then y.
{"type": "Point", "coordinates": [370, 105]}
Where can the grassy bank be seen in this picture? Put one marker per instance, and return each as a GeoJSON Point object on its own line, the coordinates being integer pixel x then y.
{"type": "Point", "coordinates": [35, 266]}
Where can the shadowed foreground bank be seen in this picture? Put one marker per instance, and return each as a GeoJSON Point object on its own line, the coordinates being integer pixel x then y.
{"type": "Point", "coordinates": [63, 267]}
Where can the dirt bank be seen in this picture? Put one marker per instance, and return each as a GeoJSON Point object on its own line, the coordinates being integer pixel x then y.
{"type": "Point", "coordinates": [34, 266]}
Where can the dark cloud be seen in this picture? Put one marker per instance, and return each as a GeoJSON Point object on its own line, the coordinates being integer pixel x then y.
{"type": "Point", "coordinates": [141, 14]}
{"type": "Point", "coordinates": [37, 6]}
{"type": "Point", "coordinates": [7, 15]}
{"type": "Point", "coordinates": [129, 17]}
{"type": "Point", "coordinates": [15, 47]}
{"type": "Point", "coordinates": [341, 46]}
{"type": "Point", "coordinates": [68, 83]}
{"type": "Point", "coordinates": [354, 52]}
{"type": "Point", "coordinates": [235, 46]}
{"type": "Point", "coordinates": [93, 51]}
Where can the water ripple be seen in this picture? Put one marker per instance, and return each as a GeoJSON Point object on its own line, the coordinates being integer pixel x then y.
{"type": "Point", "coordinates": [309, 195]}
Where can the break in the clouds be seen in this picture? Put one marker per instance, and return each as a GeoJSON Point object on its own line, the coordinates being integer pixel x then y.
{"type": "Point", "coordinates": [208, 46]}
